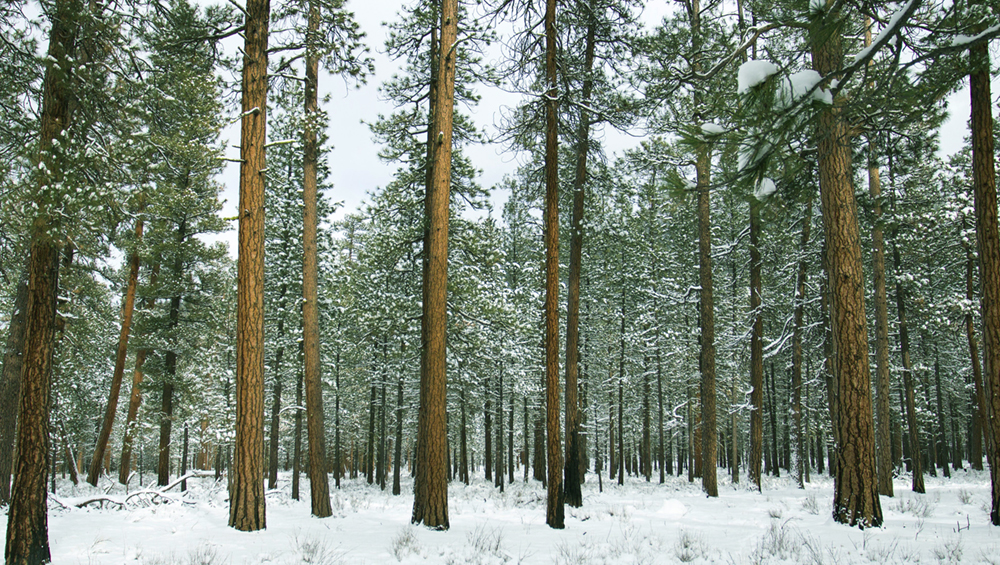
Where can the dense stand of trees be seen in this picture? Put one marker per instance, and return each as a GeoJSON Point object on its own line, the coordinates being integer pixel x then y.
{"type": "Point", "coordinates": [724, 274]}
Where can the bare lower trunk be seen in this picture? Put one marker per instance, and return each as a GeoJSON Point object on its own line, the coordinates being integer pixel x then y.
{"type": "Point", "coordinates": [10, 384]}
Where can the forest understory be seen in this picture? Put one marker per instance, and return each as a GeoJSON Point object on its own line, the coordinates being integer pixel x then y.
{"type": "Point", "coordinates": [638, 523]}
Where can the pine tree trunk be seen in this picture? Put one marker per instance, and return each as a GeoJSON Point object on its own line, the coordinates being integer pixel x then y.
{"type": "Point", "coordinates": [772, 409]}
{"type": "Point", "coordinates": [527, 448]}
{"type": "Point", "coordinates": [916, 460]}
{"type": "Point", "coordinates": [430, 503]}
{"type": "Point", "coordinates": [510, 442]}
{"type": "Point", "coordinates": [942, 448]}
{"type": "Point", "coordinates": [463, 439]}
{"type": "Point", "coordinates": [397, 456]}
{"type": "Point", "coordinates": [554, 514]}
{"type": "Point", "coordinates": [119, 371]}
{"type": "Point", "coordinates": [297, 447]}
{"type": "Point", "coordinates": [10, 384]}
{"type": "Point", "coordinates": [166, 422]}
{"type": "Point", "coordinates": [660, 458]}
{"type": "Point", "coordinates": [272, 450]}
{"type": "Point", "coordinates": [319, 486]}
{"type": "Point", "coordinates": [488, 433]}
{"type": "Point", "coordinates": [801, 457]}
{"type": "Point", "coordinates": [27, 515]}
{"type": "Point", "coordinates": [573, 478]}
{"type": "Point", "coordinates": [272, 475]}
{"type": "Point", "coordinates": [984, 186]}
{"type": "Point", "coordinates": [978, 404]}
{"type": "Point", "coordinates": [370, 449]}
{"type": "Point", "coordinates": [646, 449]}
{"type": "Point", "coordinates": [246, 502]}
{"type": "Point", "coordinates": [184, 459]}
{"type": "Point", "coordinates": [499, 453]}
{"type": "Point", "coordinates": [339, 462]}
{"type": "Point", "coordinates": [382, 432]}
{"type": "Point", "coordinates": [135, 398]}
{"type": "Point", "coordinates": [756, 352]}
{"type": "Point", "coordinates": [856, 499]}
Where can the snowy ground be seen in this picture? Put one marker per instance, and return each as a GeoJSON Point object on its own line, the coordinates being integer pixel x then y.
{"type": "Point", "coordinates": [639, 523]}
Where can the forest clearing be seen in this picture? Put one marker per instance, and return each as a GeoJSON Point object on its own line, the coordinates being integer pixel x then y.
{"type": "Point", "coordinates": [639, 523]}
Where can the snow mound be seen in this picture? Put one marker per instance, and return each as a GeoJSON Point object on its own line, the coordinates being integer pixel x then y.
{"type": "Point", "coordinates": [753, 73]}
{"type": "Point", "coordinates": [673, 508]}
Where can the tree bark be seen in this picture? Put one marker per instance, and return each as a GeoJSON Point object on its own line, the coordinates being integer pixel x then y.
{"type": "Point", "coordinates": [756, 352]}
{"type": "Point", "coordinates": [430, 503]}
{"type": "Point", "coordinates": [319, 486]}
{"type": "Point", "coordinates": [978, 404]}
{"type": "Point", "coordinates": [572, 491]}
{"type": "Point", "coordinates": [116, 378]}
{"type": "Point", "coordinates": [488, 433]}
{"type": "Point", "coordinates": [135, 398]}
{"type": "Point", "coordinates": [916, 459]}
{"type": "Point", "coordinates": [856, 499]}
{"type": "Point", "coordinates": [247, 506]}
{"type": "Point", "coordinates": [984, 187]}
{"type": "Point", "coordinates": [397, 456]}
{"type": "Point", "coordinates": [801, 455]}
{"type": "Point", "coordinates": [554, 514]}
{"type": "Point", "coordinates": [10, 383]}
{"type": "Point", "coordinates": [297, 446]}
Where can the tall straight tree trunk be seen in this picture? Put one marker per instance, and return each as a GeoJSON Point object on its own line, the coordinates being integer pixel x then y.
{"type": "Point", "coordinates": [279, 354]}
{"type": "Point", "coordinates": [988, 240]}
{"type": "Point", "coordinates": [660, 459]}
{"type": "Point", "coordinates": [942, 450]}
{"type": "Point", "coordinates": [166, 423]}
{"type": "Point", "coordinates": [856, 499]}
{"type": "Point", "coordinates": [756, 352]}
{"type": "Point", "coordinates": [488, 433]}
{"type": "Point", "coordinates": [116, 377]}
{"type": "Point", "coordinates": [709, 426]}
{"type": "Point", "coordinates": [801, 457]}
{"type": "Point", "coordinates": [397, 459]}
{"type": "Point", "coordinates": [10, 384]}
{"type": "Point", "coordinates": [319, 486]}
{"type": "Point", "coordinates": [246, 500]}
{"type": "Point", "coordinates": [338, 461]}
{"type": "Point", "coordinates": [430, 502]}
{"type": "Point", "coordinates": [381, 458]}
{"type": "Point", "coordinates": [882, 382]}
{"type": "Point", "coordinates": [979, 417]}
{"type": "Point", "coordinates": [772, 409]}
{"type": "Point", "coordinates": [499, 453]}
{"type": "Point", "coordinates": [573, 478]}
{"type": "Point", "coordinates": [510, 442]}
{"type": "Point", "coordinates": [620, 457]}
{"type": "Point", "coordinates": [463, 439]}
{"type": "Point", "coordinates": [911, 404]}
{"type": "Point", "coordinates": [370, 450]}
{"type": "Point", "coordinates": [297, 446]}
{"type": "Point", "coordinates": [555, 511]}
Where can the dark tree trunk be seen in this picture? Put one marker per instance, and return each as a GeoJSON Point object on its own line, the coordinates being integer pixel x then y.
{"type": "Point", "coordinates": [984, 186]}
{"type": "Point", "coordinates": [10, 384]}
{"type": "Point", "coordinates": [756, 352]}
{"type": "Point", "coordinates": [398, 455]}
{"type": "Point", "coordinates": [801, 457]}
{"type": "Point", "coordinates": [297, 447]}
{"type": "Point", "coordinates": [916, 461]}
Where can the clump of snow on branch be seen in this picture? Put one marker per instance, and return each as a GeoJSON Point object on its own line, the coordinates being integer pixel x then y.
{"type": "Point", "coordinates": [765, 188]}
{"type": "Point", "coordinates": [797, 85]}
{"type": "Point", "coordinates": [712, 129]}
{"type": "Point", "coordinates": [753, 73]}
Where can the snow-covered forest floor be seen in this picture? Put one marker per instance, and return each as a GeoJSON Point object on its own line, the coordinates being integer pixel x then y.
{"type": "Point", "coordinates": [639, 523]}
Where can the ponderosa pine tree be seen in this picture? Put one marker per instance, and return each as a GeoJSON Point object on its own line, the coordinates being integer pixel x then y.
{"type": "Point", "coordinates": [246, 499]}
{"type": "Point", "coordinates": [430, 502]}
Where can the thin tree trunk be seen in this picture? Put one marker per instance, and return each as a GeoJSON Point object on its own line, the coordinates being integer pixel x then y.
{"type": "Point", "coordinates": [10, 384]}
{"type": "Point", "coordinates": [339, 464]}
{"type": "Point", "coordinates": [942, 449]}
{"type": "Point", "coordinates": [988, 239]}
{"type": "Point", "coordinates": [370, 450]}
{"type": "Point", "coordinates": [430, 503]}
{"type": "Point", "coordinates": [488, 433]}
{"type": "Point", "coordinates": [801, 457]}
{"type": "Point", "coordinates": [297, 447]}
{"type": "Point", "coordinates": [772, 403]}
{"type": "Point", "coordinates": [398, 454]}
{"type": "Point", "coordinates": [272, 475]}
{"type": "Point", "coordinates": [463, 439]}
{"type": "Point", "coordinates": [184, 459]}
{"type": "Point", "coordinates": [756, 352]}
{"type": "Point", "coordinates": [911, 405]}
{"type": "Point", "coordinates": [659, 411]}
{"type": "Point", "coordinates": [166, 422]}
{"type": "Point", "coordinates": [573, 493]}
{"type": "Point", "coordinates": [246, 501]}
{"type": "Point", "coordinates": [119, 371]}
{"type": "Point", "coordinates": [979, 417]}
{"type": "Point", "coordinates": [499, 453]}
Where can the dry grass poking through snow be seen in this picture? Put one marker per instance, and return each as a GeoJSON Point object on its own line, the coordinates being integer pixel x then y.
{"type": "Point", "coordinates": [638, 524]}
